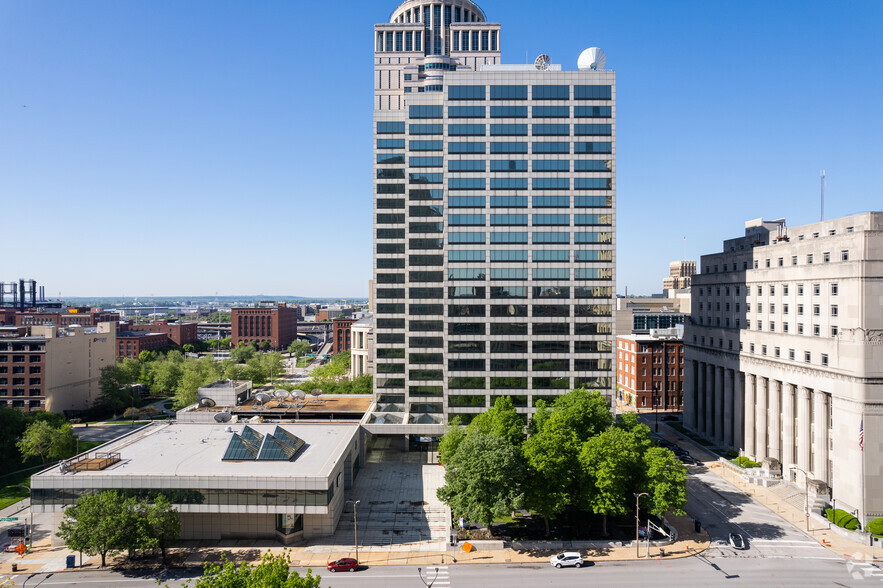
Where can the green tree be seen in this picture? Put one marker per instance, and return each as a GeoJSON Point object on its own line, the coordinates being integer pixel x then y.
{"type": "Point", "coordinates": [114, 383]}
{"type": "Point", "coordinates": [502, 420]}
{"type": "Point", "coordinates": [553, 468]}
{"type": "Point", "coordinates": [195, 373]}
{"type": "Point", "coordinates": [300, 348]}
{"type": "Point", "coordinates": [483, 478]}
{"type": "Point", "coordinates": [242, 354]}
{"type": "Point", "coordinates": [540, 416]}
{"type": "Point", "coordinates": [610, 463]}
{"type": "Point", "coordinates": [48, 442]}
{"type": "Point", "coordinates": [166, 375]}
{"type": "Point", "coordinates": [272, 572]}
{"type": "Point", "coordinates": [161, 525]}
{"type": "Point", "coordinates": [585, 413]}
{"type": "Point", "coordinates": [665, 479]}
{"type": "Point", "coordinates": [93, 524]}
{"type": "Point", "coordinates": [187, 347]}
{"type": "Point", "coordinates": [265, 345]}
{"type": "Point", "coordinates": [450, 441]}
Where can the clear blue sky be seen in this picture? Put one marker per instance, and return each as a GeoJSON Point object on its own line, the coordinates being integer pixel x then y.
{"type": "Point", "coordinates": [193, 147]}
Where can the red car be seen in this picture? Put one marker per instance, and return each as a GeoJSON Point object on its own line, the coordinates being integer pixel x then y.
{"type": "Point", "coordinates": [346, 564]}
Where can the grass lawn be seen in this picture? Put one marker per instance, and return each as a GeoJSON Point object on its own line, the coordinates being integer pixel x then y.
{"type": "Point", "coordinates": [304, 362]}
{"type": "Point", "coordinates": [9, 492]}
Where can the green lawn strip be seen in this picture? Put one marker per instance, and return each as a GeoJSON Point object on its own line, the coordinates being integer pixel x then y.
{"type": "Point", "coordinates": [9, 492]}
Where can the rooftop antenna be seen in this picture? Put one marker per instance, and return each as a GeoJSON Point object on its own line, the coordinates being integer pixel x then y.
{"type": "Point", "coordinates": [823, 195]}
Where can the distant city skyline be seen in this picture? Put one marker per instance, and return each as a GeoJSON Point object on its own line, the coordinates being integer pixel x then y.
{"type": "Point", "coordinates": [156, 148]}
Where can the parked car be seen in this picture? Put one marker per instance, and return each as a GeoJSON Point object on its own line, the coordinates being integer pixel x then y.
{"type": "Point", "coordinates": [346, 564]}
{"type": "Point", "coordinates": [669, 417]}
{"type": "Point", "coordinates": [737, 542]}
{"type": "Point", "coordinates": [686, 459]}
{"type": "Point", "coordinates": [568, 558]}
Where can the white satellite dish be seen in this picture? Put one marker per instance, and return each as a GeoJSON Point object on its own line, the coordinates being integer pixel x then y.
{"type": "Point", "coordinates": [280, 394]}
{"type": "Point", "coordinates": [299, 394]}
{"type": "Point", "coordinates": [262, 398]}
{"type": "Point", "coordinates": [206, 402]}
{"type": "Point", "coordinates": [592, 58]}
{"type": "Point", "coordinates": [223, 417]}
{"type": "Point", "coordinates": [317, 392]}
{"type": "Point", "coordinates": [542, 62]}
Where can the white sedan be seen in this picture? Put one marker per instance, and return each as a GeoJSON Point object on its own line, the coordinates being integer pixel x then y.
{"type": "Point", "coordinates": [568, 558]}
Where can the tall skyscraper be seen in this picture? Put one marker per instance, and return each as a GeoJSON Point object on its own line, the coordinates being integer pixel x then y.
{"type": "Point", "coordinates": [494, 221]}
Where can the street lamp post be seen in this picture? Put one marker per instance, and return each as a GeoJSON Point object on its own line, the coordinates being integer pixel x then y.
{"type": "Point", "coordinates": [426, 583]}
{"type": "Point", "coordinates": [805, 493]}
{"type": "Point", "coordinates": [638, 523]}
{"type": "Point", "coordinates": [355, 504]}
{"type": "Point", "coordinates": [30, 533]}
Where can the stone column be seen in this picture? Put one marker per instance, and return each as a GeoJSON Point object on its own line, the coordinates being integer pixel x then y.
{"type": "Point", "coordinates": [689, 395]}
{"type": "Point", "coordinates": [820, 434]}
{"type": "Point", "coordinates": [761, 423]}
{"type": "Point", "coordinates": [775, 414]}
{"type": "Point", "coordinates": [719, 404]}
{"type": "Point", "coordinates": [700, 397]}
{"type": "Point", "coordinates": [787, 425]}
{"type": "Point", "coordinates": [709, 400]}
{"type": "Point", "coordinates": [728, 407]}
{"type": "Point", "coordinates": [738, 410]}
{"type": "Point", "coordinates": [750, 413]}
{"type": "Point", "coordinates": [804, 435]}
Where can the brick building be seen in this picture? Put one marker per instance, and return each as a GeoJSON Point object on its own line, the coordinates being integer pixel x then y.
{"type": "Point", "coordinates": [650, 369]}
{"type": "Point", "coordinates": [178, 333]}
{"type": "Point", "coordinates": [276, 324]}
{"type": "Point", "coordinates": [43, 367]}
{"type": "Point", "coordinates": [131, 343]}
{"type": "Point", "coordinates": [66, 317]}
{"type": "Point", "coordinates": [340, 332]}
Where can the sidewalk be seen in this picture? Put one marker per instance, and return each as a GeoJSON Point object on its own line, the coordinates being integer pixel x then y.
{"type": "Point", "coordinates": [817, 530]}
{"type": "Point", "coordinates": [44, 558]}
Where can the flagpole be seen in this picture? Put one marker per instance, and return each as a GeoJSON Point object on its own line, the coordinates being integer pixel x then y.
{"type": "Point", "coordinates": [862, 457]}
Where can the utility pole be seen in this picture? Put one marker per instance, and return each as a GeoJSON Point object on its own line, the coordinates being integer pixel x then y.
{"type": "Point", "coordinates": [355, 504]}
{"type": "Point", "coordinates": [638, 523]}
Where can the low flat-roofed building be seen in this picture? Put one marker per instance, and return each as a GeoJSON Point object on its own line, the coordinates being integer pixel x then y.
{"type": "Point", "coordinates": [284, 481]}
{"type": "Point", "coordinates": [225, 392]}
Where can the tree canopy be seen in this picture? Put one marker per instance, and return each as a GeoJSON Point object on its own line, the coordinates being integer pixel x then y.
{"type": "Point", "coordinates": [48, 442]}
{"type": "Point", "coordinates": [272, 572]}
{"type": "Point", "coordinates": [479, 478]}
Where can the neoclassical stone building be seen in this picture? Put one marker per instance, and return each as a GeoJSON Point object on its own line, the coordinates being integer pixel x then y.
{"type": "Point", "coordinates": [784, 352]}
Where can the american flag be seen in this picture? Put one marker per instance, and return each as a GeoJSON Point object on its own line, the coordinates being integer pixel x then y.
{"type": "Point", "coordinates": [861, 435]}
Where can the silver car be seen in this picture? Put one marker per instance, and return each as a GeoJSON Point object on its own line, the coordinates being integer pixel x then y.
{"type": "Point", "coordinates": [568, 558]}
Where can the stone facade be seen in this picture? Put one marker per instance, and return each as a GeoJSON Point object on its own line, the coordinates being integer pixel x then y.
{"type": "Point", "coordinates": [785, 352]}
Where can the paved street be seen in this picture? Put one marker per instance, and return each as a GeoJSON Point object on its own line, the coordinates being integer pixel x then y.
{"type": "Point", "coordinates": [695, 571]}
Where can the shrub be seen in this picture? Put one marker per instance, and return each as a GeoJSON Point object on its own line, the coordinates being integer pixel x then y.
{"type": "Point", "coordinates": [744, 462]}
{"type": "Point", "coordinates": [875, 527]}
{"type": "Point", "coordinates": [841, 518]}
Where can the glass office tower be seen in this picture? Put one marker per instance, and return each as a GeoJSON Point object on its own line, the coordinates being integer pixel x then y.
{"type": "Point", "coordinates": [494, 222]}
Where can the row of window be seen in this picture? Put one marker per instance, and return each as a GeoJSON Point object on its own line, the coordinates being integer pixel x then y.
{"type": "Point", "coordinates": [502, 365]}
{"type": "Point", "coordinates": [827, 257]}
{"type": "Point", "coordinates": [426, 342]}
{"type": "Point", "coordinates": [517, 147]}
{"type": "Point", "coordinates": [468, 183]}
{"type": "Point", "coordinates": [478, 293]}
{"type": "Point", "coordinates": [499, 238]}
{"type": "Point", "coordinates": [792, 354]}
{"type": "Point", "coordinates": [509, 347]}
{"type": "Point", "coordinates": [537, 92]}
{"type": "Point", "coordinates": [436, 112]}
{"type": "Point", "coordinates": [513, 130]}
{"type": "Point", "coordinates": [551, 255]}
{"type": "Point", "coordinates": [771, 289]}
{"type": "Point", "coordinates": [500, 273]}
{"type": "Point", "coordinates": [496, 165]}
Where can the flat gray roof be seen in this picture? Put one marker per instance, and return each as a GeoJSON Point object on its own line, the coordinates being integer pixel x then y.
{"type": "Point", "coordinates": [187, 450]}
